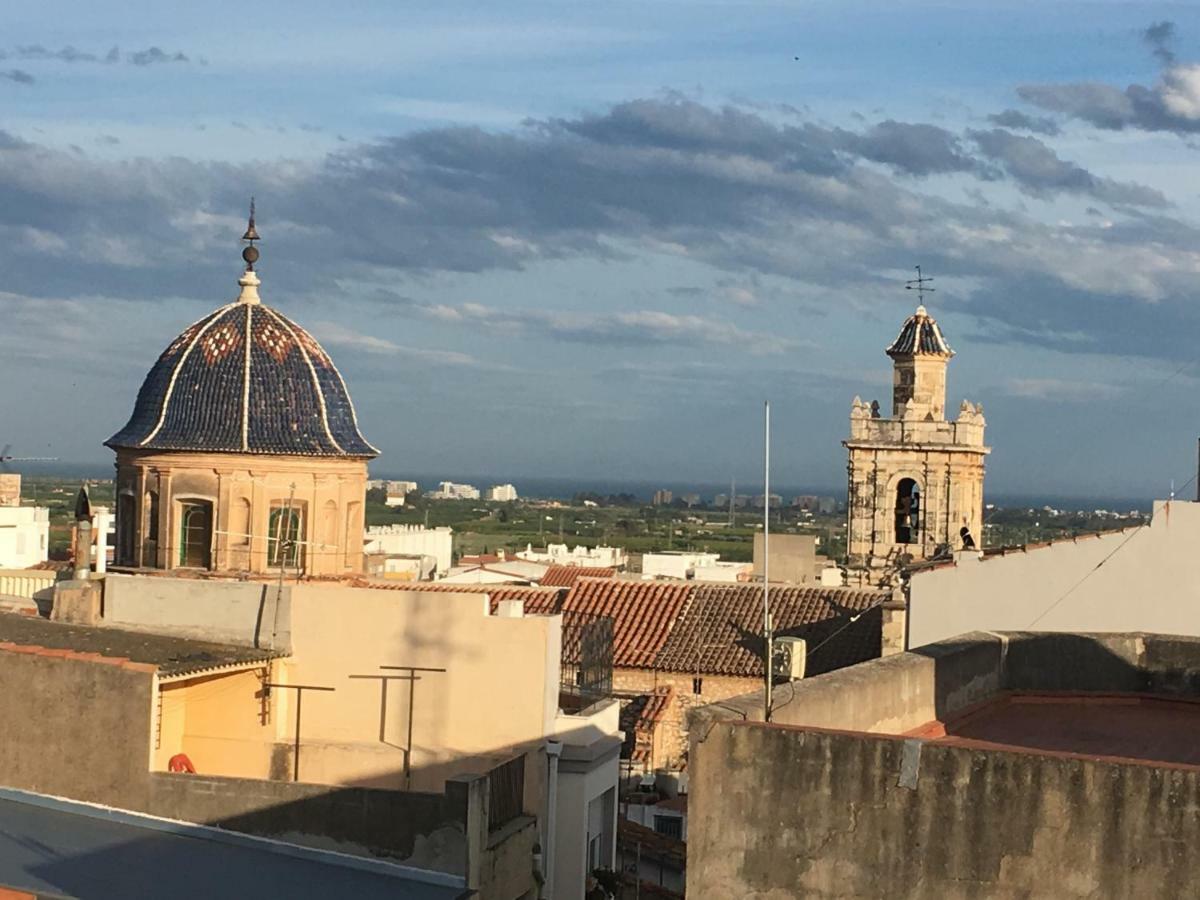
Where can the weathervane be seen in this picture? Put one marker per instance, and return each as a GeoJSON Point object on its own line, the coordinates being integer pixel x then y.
{"type": "Point", "coordinates": [250, 254]}
{"type": "Point", "coordinates": [917, 284]}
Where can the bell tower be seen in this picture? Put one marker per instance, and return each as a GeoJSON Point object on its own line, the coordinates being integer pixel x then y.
{"type": "Point", "coordinates": [915, 479]}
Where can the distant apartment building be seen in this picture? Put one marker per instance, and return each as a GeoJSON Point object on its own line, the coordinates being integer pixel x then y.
{"type": "Point", "coordinates": [579, 555]}
{"type": "Point", "coordinates": [500, 493]}
{"type": "Point", "coordinates": [386, 545]}
{"type": "Point", "coordinates": [397, 491]}
{"type": "Point", "coordinates": [449, 490]}
{"type": "Point", "coordinates": [776, 501]}
{"type": "Point", "coordinates": [662, 498]}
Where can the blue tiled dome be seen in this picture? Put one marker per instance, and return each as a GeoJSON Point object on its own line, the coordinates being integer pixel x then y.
{"type": "Point", "coordinates": [245, 379]}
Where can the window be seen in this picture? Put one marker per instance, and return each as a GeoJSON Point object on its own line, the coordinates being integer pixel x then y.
{"type": "Point", "coordinates": [284, 535]}
{"type": "Point", "coordinates": [195, 534]}
{"type": "Point", "coordinates": [908, 511]}
{"type": "Point", "coordinates": [671, 826]}
{"type": "Point", "coordinates": [697, 685]}
{"type": "Point", "coordinates": [125, 526]}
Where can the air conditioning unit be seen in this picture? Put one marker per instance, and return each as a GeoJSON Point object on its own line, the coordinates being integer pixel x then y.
{"type": "Point", "coordinates": [790, 657]}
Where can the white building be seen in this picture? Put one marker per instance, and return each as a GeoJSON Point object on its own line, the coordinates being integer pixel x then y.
{"type": "Point", "coordinates": [448, 490]}
{"type": "Point", "coordinates": [579, 555]}
{"type": "Point", "coordinates": [410, 541]}
{"type": "Point", "coordinates": [501, 493]}
{"type": "Point", "coordinates": [688, 566]}
{"type": "Point", "coordinates": [397, 491]}
{"type": "Point", "coordinates": [24, 536]}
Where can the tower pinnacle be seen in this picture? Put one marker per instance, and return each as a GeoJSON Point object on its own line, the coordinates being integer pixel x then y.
{"type": "Point", "coordinates": [249, 281]}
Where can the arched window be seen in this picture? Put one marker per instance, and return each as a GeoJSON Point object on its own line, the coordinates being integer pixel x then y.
{"type": "Point", "coordinates": [908, 512]}
{"type": "Point", "coordinates": [285, 532]}
{"type": "Point", "coordinates": [195, 534]}
{"type": "Point", "coordinates": [126, 525]}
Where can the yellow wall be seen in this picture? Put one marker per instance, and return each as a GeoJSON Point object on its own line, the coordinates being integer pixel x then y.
{"type": "Point", "coordinates": [217, 721]}
{"type": "Point", "coordinates": [499, 692]}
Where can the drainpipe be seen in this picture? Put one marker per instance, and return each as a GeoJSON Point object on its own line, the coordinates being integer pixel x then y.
{"type": "Point", "coordinates": [553, 751]}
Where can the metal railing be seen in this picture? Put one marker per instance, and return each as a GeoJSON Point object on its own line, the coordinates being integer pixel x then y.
{"type": "Point", "coordinates": [586, 671]}
{"type": "Point", "coordinates": [506, 792]}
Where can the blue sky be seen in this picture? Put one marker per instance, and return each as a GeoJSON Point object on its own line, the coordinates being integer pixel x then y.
{"type": "Point", "coordinates": [582, 240]}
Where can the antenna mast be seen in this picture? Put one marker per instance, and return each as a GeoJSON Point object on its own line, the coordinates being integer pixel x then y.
{"type": "Point", "coordinates": [768, 640]}
{"type": "Point", "coordinates": [920, 285]}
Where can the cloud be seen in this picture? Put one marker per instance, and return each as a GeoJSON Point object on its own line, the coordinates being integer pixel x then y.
{"type": "Point", "coordinates": [1019, 121]}
{"type": "Point", "coordinates": [1039, 170]}
{"type": "Point", "coordinates": [1159, 36]}
{"type": "Point", "coordinates": [334, 334]}
{"type": "Point", "coordinates": [69, 54]}
{"type": "Point", "coordinates": [912, 148]}
{"type": "Point", "coordinates": [1062, 390]}
{"type": "Point", "coordinates": [18, 76]}
{"type": "Point", "coordinates": [1172, 104]}
{"type": "Point", "coordinates": [800, 205]}
{"type": "Point", "coordinates": [153, 55]}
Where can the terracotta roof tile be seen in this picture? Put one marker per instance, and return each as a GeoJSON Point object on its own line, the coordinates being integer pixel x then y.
{"type": "Point", "coordinates": [642, 612]}
{"type": "Point", "coordinates": [565, 576]}
{"type": "Point", "coordinates": [539, 601]}
{"type": "Point", "coordinates": [720, 631]}
{"type": "Point", "coordinates": [630, 834]}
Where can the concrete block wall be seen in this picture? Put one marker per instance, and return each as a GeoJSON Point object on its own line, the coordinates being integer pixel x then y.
{"type": "Point", "coordinates": [77, 725]}
{"type": "Point", "coordinates": [245, 613]}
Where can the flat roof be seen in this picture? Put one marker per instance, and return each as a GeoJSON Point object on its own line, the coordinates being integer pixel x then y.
{"type": "Point", "coordinates": [172, 655]}
{"type": "Point", "coordinates": [62, 848]}
{"type": "Point", "coordinates": [1117, 727]}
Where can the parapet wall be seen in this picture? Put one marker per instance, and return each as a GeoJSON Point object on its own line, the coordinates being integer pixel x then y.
{"type": "Point", "coordinates": [245, 613]}
{"type": "Point", "coordinates": [784, 812]}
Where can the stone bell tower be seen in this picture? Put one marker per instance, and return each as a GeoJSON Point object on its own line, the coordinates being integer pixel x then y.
{"type": "Point", "coordinates": [915, 480]}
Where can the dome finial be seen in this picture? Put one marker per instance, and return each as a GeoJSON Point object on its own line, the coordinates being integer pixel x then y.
{"type": "Point", "coordinates": [249, 281]}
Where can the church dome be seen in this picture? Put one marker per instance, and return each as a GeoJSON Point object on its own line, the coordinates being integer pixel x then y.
{"type": "Point", "coordinates": [920, 336]}
{"type": "Point", "coordinates": [245, 379]}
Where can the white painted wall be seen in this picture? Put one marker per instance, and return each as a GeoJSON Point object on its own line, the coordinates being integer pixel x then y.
{"type": "Point", "coordinates": [411, 540]}
{"type": "Point", "coordinates": [1145, 579]}
{"type": "Point", "coordinates": [24, 536]}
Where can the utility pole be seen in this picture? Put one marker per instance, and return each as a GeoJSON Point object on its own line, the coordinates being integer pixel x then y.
{"type": "Point", "coordinates": [768, 641]}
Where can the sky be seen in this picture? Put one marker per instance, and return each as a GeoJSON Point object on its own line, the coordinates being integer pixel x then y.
{"type": "Point", "coordinates": [589, 240]}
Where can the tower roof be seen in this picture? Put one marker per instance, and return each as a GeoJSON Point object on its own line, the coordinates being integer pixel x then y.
{"type": "Point", "coordinates": [245, 379]}
{"type": "Point", "coordinates": [920, 336]}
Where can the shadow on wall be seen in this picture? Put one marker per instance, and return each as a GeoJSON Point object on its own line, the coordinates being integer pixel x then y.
{"type": "Point", "coordinates": [458, 833]}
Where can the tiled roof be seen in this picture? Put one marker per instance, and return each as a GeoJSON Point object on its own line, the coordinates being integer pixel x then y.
{"type": "Point", "coordinates": [565, 576]}
{"type": "Point", "coordinates": [630, 834]}
{"type": "Point", "coordinates": [539, 601]}
{"type": "Point", "coordinates": [720, 631]}
{"type": "Point", "coordinates": [920, 336]}
{"type": "Point", "coordinates": [170, 656]}
{"type": "Point", "coordinates": [245, 379]}
{"type": "Point", "coordinates": [643, 613]}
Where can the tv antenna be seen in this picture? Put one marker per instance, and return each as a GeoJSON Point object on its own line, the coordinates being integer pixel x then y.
{"type": "Point", "coordinates": [5, 458]}
{"type": "Point", "coordinates": [919, 284]}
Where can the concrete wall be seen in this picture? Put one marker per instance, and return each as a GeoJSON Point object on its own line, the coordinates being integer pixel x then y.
{"type": "Point", "coordinates": [76, 725]}
{"type": "Point", "coordinates": [420, 829]}
{"type": "Point", "coordinates": [812, 805]}
{"type": "Point", "coordinates": [793, 557]}
{"type": "Point", "coordinates": [779, 812]}
{"type": "Point", "coordinates": [229, 612]}
{"type": "Point", "coordinates": [1150, 581]}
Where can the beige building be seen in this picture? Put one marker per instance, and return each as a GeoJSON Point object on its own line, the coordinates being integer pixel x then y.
{"type": "Point", "coordinates": [915, 480]}
{"type": "Point", "coordinates": [243, 452]}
